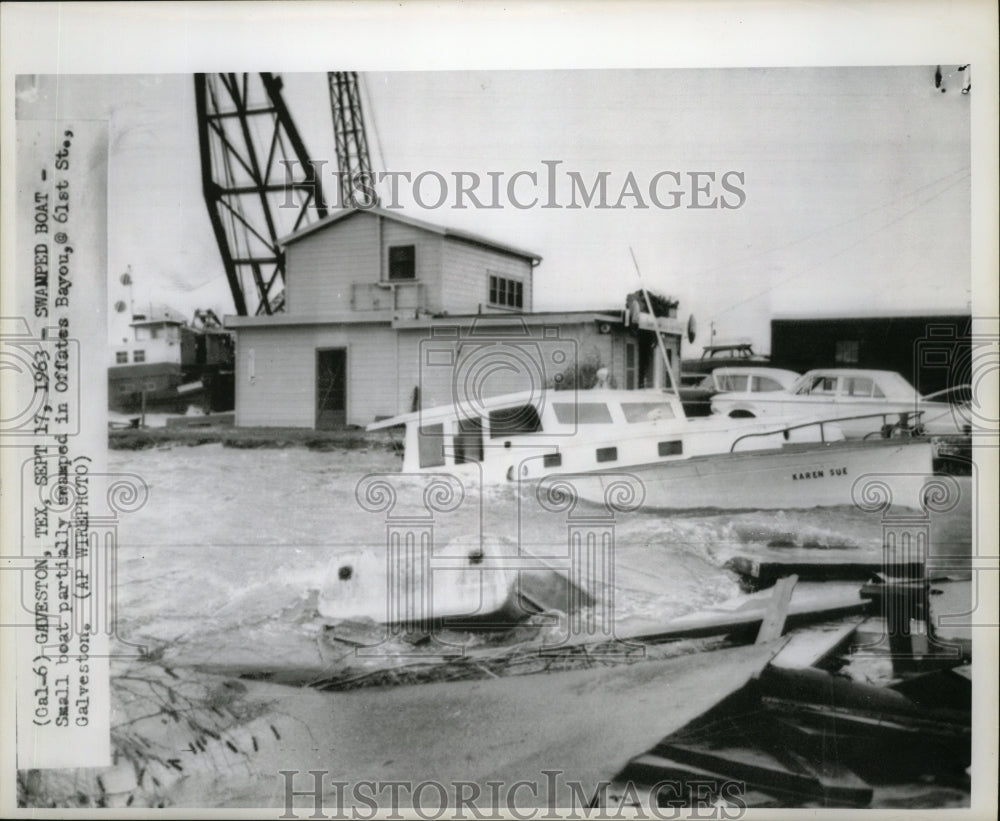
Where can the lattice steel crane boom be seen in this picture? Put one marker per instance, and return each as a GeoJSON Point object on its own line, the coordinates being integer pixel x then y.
{"type": "Point", "coordinates": [349, 135]}
{"type": "Point", "coordinates": [257, 179]}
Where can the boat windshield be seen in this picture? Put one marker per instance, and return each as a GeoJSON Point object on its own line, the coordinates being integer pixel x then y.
{"type": "Point", "coordinates": [647, 411]}
{"type": "Point", "coordinates": [582, 413]}
{"type": "Point", "coordinates": [514, 421]}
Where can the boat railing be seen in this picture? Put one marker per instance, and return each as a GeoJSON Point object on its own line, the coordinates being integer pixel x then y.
{"type": "Point", "coordinates": [906, 421]}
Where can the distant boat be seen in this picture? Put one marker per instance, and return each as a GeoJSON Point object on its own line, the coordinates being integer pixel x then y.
{"type": "Point", "coordinates": [613, 445]}
{"type": "Point", "coordinates": [168, 364]}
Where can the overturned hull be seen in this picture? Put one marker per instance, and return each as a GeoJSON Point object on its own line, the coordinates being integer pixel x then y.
{"type": "Point", "coordinates": [873, 475]}
{"type": "Point", "coordinates": [414, 585]}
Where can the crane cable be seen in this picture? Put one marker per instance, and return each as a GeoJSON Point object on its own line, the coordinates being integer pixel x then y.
{"type": "Point", "coordinates": [378, 140]}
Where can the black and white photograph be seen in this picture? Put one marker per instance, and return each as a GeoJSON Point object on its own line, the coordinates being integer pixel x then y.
{"type": "Point", "coordinates": [499, 410]}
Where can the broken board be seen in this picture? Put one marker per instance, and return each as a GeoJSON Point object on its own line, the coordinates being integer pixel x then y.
{"type": "Point", "coordinates": [763, 573]}
{"type": "Point", "coordinates": [809, 646]}
{"type": "Point", "coordinates": [744, 614]}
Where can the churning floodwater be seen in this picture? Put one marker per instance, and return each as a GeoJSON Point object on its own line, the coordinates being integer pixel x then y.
{"type": "Point", "coordinates": [231, 545]}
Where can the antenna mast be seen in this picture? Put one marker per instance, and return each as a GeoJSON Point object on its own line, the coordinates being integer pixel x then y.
{"type": "Point", "coordinates": [659, 338]}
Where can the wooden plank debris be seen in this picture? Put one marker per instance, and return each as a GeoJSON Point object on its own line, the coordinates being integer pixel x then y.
{"type": "Point", "coordinates": [743, 616]}
{"type": "Point", "coordinates": [773, 624]}
{"type": "Point", "coordinates": [809, 646]}
{"type": "Point", "coordinates": [763, 573]}
{"type": "Point", "coordinates": [765, 771]}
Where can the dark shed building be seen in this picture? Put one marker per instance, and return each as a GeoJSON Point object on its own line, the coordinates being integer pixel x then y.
{"type": "Point", "coordinates": [932, 352]}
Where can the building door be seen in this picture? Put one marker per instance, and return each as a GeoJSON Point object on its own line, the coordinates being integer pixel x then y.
{"type": "Point", "coordinates": [652, 373]}
{"type": "Point", "coordinates": [331, 388]}
{"type": "Point", "coordinates": [631, 366]}
{"type": "Point", "coordinates": [650, 361]}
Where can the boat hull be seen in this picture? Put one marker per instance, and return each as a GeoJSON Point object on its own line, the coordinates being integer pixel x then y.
{"type": "Point", "coordinates": [414, 585]}
{"type": "Point", "coordinates": [872, 475]}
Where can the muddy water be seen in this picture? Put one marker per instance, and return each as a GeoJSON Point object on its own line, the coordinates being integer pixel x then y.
{"type": "Point", "coordinates": [233, 544]}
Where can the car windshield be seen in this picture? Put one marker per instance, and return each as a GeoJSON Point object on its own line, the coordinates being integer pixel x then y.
{"type": "Point", "coordinates": [817, 384]}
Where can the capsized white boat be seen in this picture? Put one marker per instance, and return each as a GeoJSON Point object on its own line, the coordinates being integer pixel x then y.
{"type": "Point", "coordinates": [472, 581]}
{"type": "Point", "coordinates": [635, 449]}
{"type": "Point", "coordinates": [469, 582]}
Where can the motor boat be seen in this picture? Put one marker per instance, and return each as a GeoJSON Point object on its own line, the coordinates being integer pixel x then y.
{"type": "Point", "coordinates": [603, 443]}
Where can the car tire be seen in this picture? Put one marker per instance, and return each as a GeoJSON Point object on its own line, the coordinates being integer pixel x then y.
{"type": "Point", "coordinates": [742, 414]}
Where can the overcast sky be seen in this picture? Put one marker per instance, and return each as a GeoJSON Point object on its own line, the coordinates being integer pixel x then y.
{"type": "Point", "coordinates": [856, 181]}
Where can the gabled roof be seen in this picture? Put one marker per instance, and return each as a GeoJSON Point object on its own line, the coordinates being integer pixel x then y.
{"type": "Point", "coordinates": [451, 233]}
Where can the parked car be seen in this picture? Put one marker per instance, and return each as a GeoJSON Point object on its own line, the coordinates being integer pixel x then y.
{"type": "Point", "coordinates": [748, 379]}
{"type": "Point", "coordinates": [720, 356]}
{"type": "Point", "coordinates": [699, 391]}
{"type": "Point", "coordinates": [836, 393]}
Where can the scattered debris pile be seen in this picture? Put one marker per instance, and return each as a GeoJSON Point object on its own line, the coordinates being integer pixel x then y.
{"type": "Point", "coordinates": [805, 733]}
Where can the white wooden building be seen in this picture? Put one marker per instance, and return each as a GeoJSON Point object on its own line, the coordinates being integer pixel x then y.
{"type": "Point", "coordinates": [383, 312]}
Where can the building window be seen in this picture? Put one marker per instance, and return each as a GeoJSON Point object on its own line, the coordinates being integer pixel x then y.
{"type": "Point", "coordinates": [121, 357]}
{"type": "Point", "coordinates": [402, 262]}
{"type": "Point", "coordinates": [505, 292]}
{"type": "Point", "coordinates": [138, 356]}
{"type": "Point", "coordinates": [847, 351]}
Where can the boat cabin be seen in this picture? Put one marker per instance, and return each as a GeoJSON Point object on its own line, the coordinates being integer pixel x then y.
{"type": "Point", "coordinates": [554, 431]}
{"type": "Point", "coordinates": [533, 434]}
